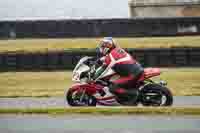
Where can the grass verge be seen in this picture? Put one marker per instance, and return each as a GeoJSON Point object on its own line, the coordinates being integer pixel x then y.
{"type": "Point", "coordinates": [181, 81]}
{"type": "Point", "coordinates": [108, 111]}
{"type": "Point", "coordinates": [34, 84]}
{"type": "Point", "coordinates": [44, 45]}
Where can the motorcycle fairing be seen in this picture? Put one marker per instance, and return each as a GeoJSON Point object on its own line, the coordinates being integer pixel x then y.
{"type": "Point", "coordinates": [150, 72]}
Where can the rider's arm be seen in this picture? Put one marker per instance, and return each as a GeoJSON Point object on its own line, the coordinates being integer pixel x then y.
{"type": "Point", "coordinates": [101, 68]}
{"type": "Point", "coordinates": [105, 63]}
{"type": "Point", "coordinates": [99, 71]}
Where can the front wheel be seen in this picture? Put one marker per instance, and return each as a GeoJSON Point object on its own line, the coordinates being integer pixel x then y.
{"type": "Point", "coordinates": [79, 98]}
{"type": "Point", "coordinates": [156, 95]}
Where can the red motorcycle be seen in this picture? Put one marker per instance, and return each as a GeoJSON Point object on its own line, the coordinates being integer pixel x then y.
{"type": "Point", "coordinates": [147, 92]}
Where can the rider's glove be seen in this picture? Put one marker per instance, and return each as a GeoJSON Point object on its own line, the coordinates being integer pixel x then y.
{"type": "Point", "coordinates": [99, 62]}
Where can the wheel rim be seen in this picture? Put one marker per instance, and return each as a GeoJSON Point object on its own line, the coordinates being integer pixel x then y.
{"type": "Point", "coordinates": [163, 96]}
{"type": "Point", "coordinates": [77, 101]}
{"type": "Point", "coordinates": [163, 99]}
{"type": "Point", "coordinates": [154, 98]}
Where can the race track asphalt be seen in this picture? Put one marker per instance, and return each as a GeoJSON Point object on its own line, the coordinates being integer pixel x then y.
{"type": "Point", "coordinates": [51, 102]}
{"type": "Point", "coordinates": [98, 124]}
{"type": "Point", "coordinates": [34, 123]}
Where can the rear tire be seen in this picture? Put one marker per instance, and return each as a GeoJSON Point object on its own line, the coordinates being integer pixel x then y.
{"type": "Point", "coordinates": [159, 92]}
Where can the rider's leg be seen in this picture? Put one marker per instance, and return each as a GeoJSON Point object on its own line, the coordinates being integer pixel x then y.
{"type": "Point", "coordinates": [130, 73]}
{"type": "Point", "coordinates": [126, 91]}
{"type": "Point", "coordinates": [124, 83]}
{"type": "Point", "coordinates": [120, 85]}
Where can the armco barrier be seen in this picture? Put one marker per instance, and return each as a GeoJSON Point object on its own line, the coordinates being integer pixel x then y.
{"type": "Point", "coordinates": [100, 28]}
{"type": "Point", "coordinates": [66, 60]}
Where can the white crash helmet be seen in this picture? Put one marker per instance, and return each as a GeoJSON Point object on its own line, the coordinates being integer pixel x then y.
{"type": "Point", "coordinates": [106, 45]}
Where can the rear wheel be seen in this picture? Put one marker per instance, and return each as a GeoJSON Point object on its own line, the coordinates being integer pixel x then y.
{"type": "Point", "coordinates": [156, 95]}
{"type": "Point", "coordinates": [79, 98]}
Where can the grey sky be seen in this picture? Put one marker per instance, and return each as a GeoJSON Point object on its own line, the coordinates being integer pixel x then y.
{"type": "Point", "coordinates": [59, 9]}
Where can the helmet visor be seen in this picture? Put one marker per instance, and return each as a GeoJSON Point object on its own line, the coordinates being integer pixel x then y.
{"type": "Point", "coordinates": [104, 47]}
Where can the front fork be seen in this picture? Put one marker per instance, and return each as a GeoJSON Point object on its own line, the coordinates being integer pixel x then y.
{"type": "Point", "coordinates": [82, 95]}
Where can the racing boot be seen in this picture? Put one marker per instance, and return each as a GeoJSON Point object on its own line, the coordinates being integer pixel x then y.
{"type": "Point", "coordinates": [105, 93]}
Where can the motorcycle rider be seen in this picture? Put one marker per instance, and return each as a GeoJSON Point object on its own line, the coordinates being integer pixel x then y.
{"type": "Point", "coordinates": [119, 61]}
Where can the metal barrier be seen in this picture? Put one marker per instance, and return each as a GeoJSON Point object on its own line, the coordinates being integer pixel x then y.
{"type": "Point", "coordinates": [66, 60]}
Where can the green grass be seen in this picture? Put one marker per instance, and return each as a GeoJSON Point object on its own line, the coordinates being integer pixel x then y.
{"type": "Point", "coordinates": [43, 45]}
{"type": "Point", "coordinates": [36, 84]}
{"type": "Point", "coordinates": [182, 81]}
{"type": "Point", "coordinates": [107, 111]}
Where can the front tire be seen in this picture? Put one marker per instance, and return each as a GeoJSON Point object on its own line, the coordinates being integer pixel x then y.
{"type": "Point", "coordinates": [73, 98]}
{"type": "Point", "coordinates": [153, 94]}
